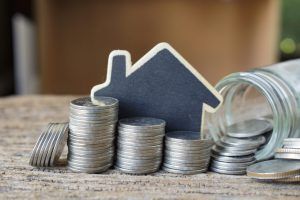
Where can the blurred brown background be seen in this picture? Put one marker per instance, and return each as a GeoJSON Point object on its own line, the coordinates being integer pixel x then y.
{"type": "Point", "coordinates": [73, 38]}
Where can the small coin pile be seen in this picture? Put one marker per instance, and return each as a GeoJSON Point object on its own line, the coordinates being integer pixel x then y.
{"type": "Point", "coordinates": [277, 170]}
{"type": "Point", "coordinates": [186, 153]}
{"type": "Point", "coordinates": [140, 145]}
{"type": "Point", "coordinates": [290, 149]}
{"type": "Point", "coordinates": [236, 149]}
{"type": "Point", "coordinates": [50, 145]}
{"type": "Point", "coordinates": [92, 133]}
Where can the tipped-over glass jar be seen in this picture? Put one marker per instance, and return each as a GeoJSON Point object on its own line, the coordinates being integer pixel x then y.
{"type": "Point", "coordinates": [271, 92]}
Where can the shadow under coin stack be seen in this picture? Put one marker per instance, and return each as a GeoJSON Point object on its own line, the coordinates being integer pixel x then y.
{"type": "Point", "coordinates": [186, 153]}
{"type": "Point", "coordinates": [235, 151]}
{"type": "Point", "coordinates": [50, 145]}
{"type": "Point", "coordinates": [92, 132]}
{"type": "Point", "coordinates": [140, 145]}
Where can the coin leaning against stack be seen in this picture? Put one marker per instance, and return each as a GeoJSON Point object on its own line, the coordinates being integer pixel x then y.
{"type": "Point", "coordinates": [92, 133]}
{"type": "Point", "coordinates": [186, 153]}
{"type": "Point", "coordinates": [235, 151]}
{"type": "Point", "coordinates": [50, 145]}
{"type": "Point", "coordinates": [140, 145]}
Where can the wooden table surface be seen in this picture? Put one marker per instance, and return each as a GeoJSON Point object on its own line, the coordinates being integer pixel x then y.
{"type": "Point", "coordinates": [21, 120]}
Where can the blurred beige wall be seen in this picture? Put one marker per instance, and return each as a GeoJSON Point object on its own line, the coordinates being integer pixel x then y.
{"type": "Point", "coordinates": [217, 37]}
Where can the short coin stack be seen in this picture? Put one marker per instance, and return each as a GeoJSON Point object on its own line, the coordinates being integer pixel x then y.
{"type": "Point", "coordinates": [186, 153]}
{"type": "Point", "coordinates": [92, 134]}
{"type": "Point", "coordinates": [290, 149]}
{"type": "Point", "coordinates": [235, 151]}
{"type": "Point", "coordinates": [49, 146]}
{"type": "Point", "coordinates": [140, 145]}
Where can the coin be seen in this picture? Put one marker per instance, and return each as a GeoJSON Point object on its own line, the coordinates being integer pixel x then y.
{"type": "Point", "coordinates": [294, 156]}
{"type": "Point", "coordinates": [231, 172]}
{"type": "Point", "coordinates": [227, 152]}
{"type": "Point", "coordinates": [142, 123]}
{"type": "Point", "coordinates": [234, 159]}
{"type": "Point", "coordinates": [288, 150]}
{"type": "Point", "coordinates": [252, 142]}
{"type": "Point", "coordinates": [249, 128]}
{"type": "Point", "coordinates": [184, 172]}
{"type": "Point", "coordinates": [274, 169]}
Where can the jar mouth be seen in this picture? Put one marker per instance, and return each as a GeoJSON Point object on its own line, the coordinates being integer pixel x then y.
{"type": "Point", "coordinates": [234, 89]}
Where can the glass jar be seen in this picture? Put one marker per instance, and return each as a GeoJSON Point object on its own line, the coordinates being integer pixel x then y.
{"type": "Point", "coordinates": [272, 92]}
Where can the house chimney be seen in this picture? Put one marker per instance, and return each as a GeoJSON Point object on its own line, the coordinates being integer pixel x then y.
{"type": "Point", "coordinates": [118, 60]}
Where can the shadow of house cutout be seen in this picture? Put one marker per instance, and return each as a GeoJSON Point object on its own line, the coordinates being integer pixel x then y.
{"type": "Point", "coordinates": [162, 84]}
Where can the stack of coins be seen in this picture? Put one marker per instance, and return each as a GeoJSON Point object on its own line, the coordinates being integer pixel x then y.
{"type": "Point", "coordinates": [92, 132]}
{"type": "Point", "coordinates": [290, 149]}
{"type": "Point", "coordinates": [49, 146]}
{"type": "Point", "coordinates": [278, 170]}
{"type": "Point", "coordinates": [186, 153]}
{"type": "Point", "coordinates": [140, 144]}
{"type": "Point", "coordinates": [236, 149]}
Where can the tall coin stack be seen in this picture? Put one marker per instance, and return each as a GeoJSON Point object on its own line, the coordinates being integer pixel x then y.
{"type": "Point", "coordinates": [236, 150]}
{"type": "Point", "coordinates": [186, 153]}
{"type": "Point", "coordinates": [92, 132]}
{"type": "Point", "coordinates": [140, 145]}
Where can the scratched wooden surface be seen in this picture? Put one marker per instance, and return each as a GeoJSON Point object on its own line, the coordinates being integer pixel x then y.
{"type": "Point", "coordinates": [21, 120]}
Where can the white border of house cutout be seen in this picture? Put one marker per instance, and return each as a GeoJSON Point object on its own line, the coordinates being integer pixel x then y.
{"type": "Point", "coordinates": [132, 68]}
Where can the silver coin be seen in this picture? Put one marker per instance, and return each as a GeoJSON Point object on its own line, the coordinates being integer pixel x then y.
{"type": "Point", "coordinates": [135, 160]}
{"type": "Point", "coordinates": [234, 159]}
{"type": "Point", "coordinates": [131, 163]}
{"type": "Point", "coordinates": [235, 148]}
{"type": "Point", "coordinates": [92, 115]}
{"type": "Point", "coordinates": [186, 155]}
{"type": "Point", "coordinates": [87, 123]}
{"type": "Point", "coordinates": [83, 142]}
{"type": "Point", "coordinates": [89, 148]}
{"type": "Point", "coordinates": [189, 137]}
{"type": "Point", "coordinates": [231, 165]}
{"type": "Point", "coordinates": [183, 168]}
{"type": "Point", "coordinates": [288, 150]}
{"type": "Point", "coordinates": [224, 152]}
{"type": "Point", "coordinates": [101, 103]}
{"type": "Point", "coordinates": [292, 156]}
{"type": "Point", "coordinates": [183, 165]}
{"type": "Point", "coordinates": [108, 127]}
{"type": "Point", "coordinates": [293, 143]}
{"type": "Point", "coordinates": [138, 157]}
{"type": "Point", "coordinates": [186, 161]}
{"type": "Point", "coordinates": [149, 141]}
{"type": "Point", "coordinates": [253, 142]}
{"type": "Point", "coordinates": [155, 151]}
{"type": "Point", "coordinates": [142, 123]}
{"type": "Point", "coordinates": [59, 145]}
{"type": "Point", "coordinates": [187, 150]}
{"type": "Point", "coordinates": [184, 172]}
{"type": "Point", "coordinates": [130, 171]}
{"type": "Point", "coordinates": [140, 144]}
{"type": "Point", "coordinates": [230, 172]}
{"type": "Point", "coordinates": [274, 169]}
{"type": "Point", "coordinates": [90, 170]}
{"type": "Point", "coordinates": [102, 137]}
{"type": "Point", "coordinates": [249, 128]}
{"type": "Point", "coordinates": [226, 167]}
{"type": "Point", "coordinates": [90, 152]}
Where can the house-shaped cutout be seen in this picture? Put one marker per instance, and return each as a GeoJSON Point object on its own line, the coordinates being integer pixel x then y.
{"type": "Point", "coordinates": [161, 84]}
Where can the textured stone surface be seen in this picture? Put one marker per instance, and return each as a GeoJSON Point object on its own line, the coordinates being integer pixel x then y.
{"type": "Point", "coordinates": [21, 120]}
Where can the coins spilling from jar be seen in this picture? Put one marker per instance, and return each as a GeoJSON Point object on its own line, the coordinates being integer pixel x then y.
{"type": "Point", "coordinates": [279, 170]}
{"type": "Point", "coordinates": [92, 133]}
{"type": "Point", "coordinates": [235, 151]}
{"type": "Point", "coordinates": [50, 145]}
{"type": "Point", "coordinates": [186, 153]}
{"type": "Point", "coordinates": [140, 145]}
